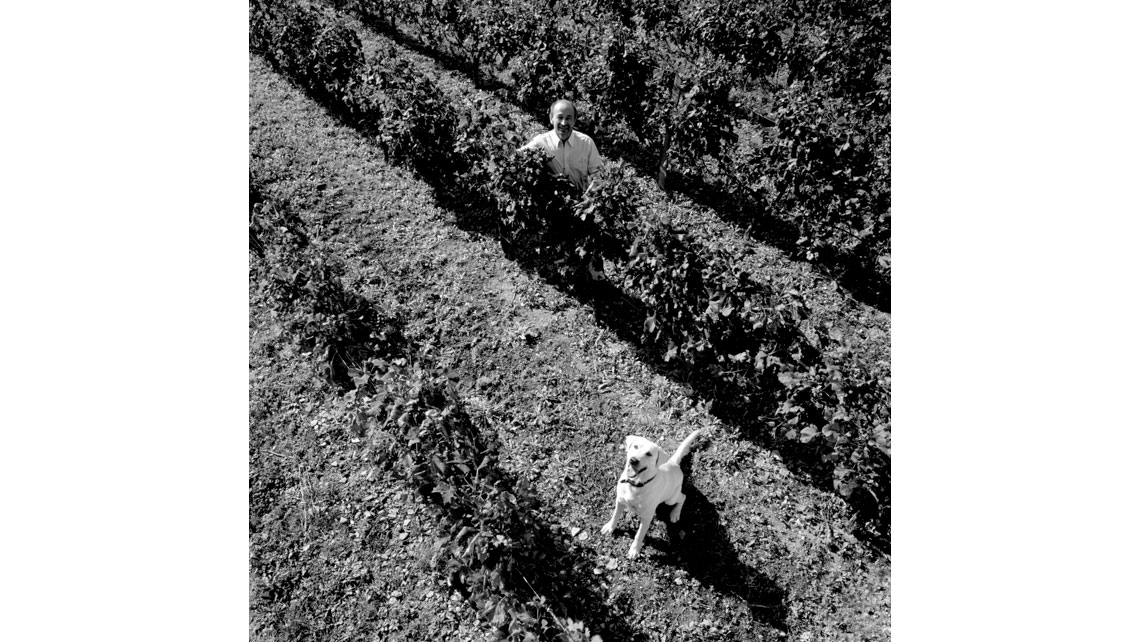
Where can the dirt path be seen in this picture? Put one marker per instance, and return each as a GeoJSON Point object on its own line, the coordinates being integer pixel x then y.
{"type": "Point", "coordinates": [768, 555]}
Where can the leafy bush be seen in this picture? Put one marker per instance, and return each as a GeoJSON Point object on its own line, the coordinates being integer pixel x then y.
{"type": "Point", "coordinates": [667, 273]}
{"type": "Point", "coordinates": [828, 175]}
{"type": "Point", "coordinates": [305, 287]}
{"type": "Point", "coordinates": [337, 55]}
{"type": "Point", "coordinates": [705, 313]}
{"type": "Point", "coordinates": [534, 207]}
{"type": "Point", "coordinates": [692, 103]}
{"type": "Point", "coordinates": [491, 540]}
{"type": "Point", "coordinates": [384, 97]}
{"type": "Point", "coordinates": [741, 31]}
{"type": "Point", "coordinates": [839, 47]}
{"type": "Point", "coordinates": [498, 33]}
{"type": "Point", "coordinates": [413, 123]}
{"type": "Point", "coordinates": [616, 81]}
{"type": "Point", "coordinates": [323, 55]}
{"type": "Point", "coordinates": [550, 68]}
{"type": "Point", "coordinates": [484, 138]}
{"type": "Point", "coordinates": [609, 212]}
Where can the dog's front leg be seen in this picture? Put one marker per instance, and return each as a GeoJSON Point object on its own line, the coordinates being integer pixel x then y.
{"type": "Point", "coordinates": [639, 538]}
{"type": "Point", "coordinates": [608, 527]}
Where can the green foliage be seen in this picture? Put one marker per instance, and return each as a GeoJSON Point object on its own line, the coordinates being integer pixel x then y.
{"type": "Point", "coordinates": [839, 47]}
{"type": "Point", "coordinates": [384, 97]}
{"type": "Point", "coordinates": [550, 68]}
{"type": "Point", "coordinates": [667, 273]}
{"type": "Point", "coordinates": [705, 313]}
{"type": "Point", "coordinates": [691, 104]}
{"type": "Point", "coordinates": [336, 57]}
{"type": "Point", "coordinates": [323, 55]}
{"type": "Point", "coordinates": [484, 138]}
{"type": "Point", "coordinates": [741, 31]}
{"type": "Point", "coordinates": [827, 174]}
{"type": "Point", "coordinates": [617, 80]}
{"type": "Point", "coordinates": [306, 289]}
{"type": "Point", "coordinates": [412, 121]}
{"type": "Point", "coordinates": [491, 540]}
{"type": "Point", "coordinates": [498, 33]}
{"type": "Point", "coordinates": [380, 11]}
{"type": "Point", "coordinates": [648, 13]}
{"type": "Point", "coordinates": [534, 206]}
{"type": "Point", "coordinates": [609, 211]}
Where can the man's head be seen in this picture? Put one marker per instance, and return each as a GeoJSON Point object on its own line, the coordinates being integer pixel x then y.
{"type": "Point", "coordinates": [562, 116]}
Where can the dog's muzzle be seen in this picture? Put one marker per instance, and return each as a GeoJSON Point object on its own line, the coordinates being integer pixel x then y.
{"type": "Point", "coordinates": [630, 479]}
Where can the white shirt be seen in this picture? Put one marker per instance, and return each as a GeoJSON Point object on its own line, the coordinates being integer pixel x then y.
{"type": "Point", "coordinates": [577, 158]}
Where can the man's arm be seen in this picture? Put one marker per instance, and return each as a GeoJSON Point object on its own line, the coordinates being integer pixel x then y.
{"type": "Point", "coordinates": [535, 143]}
{"type": "Point", "coordinates": [593, 161]}
{"type": "Point", "coordinates": [593, 164]}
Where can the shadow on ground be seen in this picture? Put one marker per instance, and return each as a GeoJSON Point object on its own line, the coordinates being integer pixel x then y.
{"type": "Point", "coordinates": [704, 551]}
{"type": "Point", "coordinates": [699, 544]}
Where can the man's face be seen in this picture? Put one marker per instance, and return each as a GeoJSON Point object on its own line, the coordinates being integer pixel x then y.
{"type": "Point", "coordinates": [562, 119]}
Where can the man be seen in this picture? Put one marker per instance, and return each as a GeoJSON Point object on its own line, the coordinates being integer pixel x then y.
{"type": "Point", "coordinates": [572, 154]}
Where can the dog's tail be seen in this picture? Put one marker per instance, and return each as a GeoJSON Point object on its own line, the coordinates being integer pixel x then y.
{"type": "Point", "coordinates": [683, 449]}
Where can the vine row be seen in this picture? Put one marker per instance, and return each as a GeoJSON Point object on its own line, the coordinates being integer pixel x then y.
{"type": "Point", "coordinates": [671, 84]}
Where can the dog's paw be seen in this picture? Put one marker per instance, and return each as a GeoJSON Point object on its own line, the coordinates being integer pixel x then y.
{"type": "Point", "coordinates": [675, 514]}
{"type": "Point", "coordinates": [633, 551]}
{"type": "Point", "coordinates": [608, 528]}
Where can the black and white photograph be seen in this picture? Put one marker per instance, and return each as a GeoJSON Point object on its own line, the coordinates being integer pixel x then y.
{"type": "Point", "coordinates": [524, 320]}
{"type": "Point", "coordinates": [570, 321]}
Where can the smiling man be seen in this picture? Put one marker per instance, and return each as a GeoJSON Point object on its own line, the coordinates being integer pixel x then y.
{"type": "Point", "coordinates": [572, 154]}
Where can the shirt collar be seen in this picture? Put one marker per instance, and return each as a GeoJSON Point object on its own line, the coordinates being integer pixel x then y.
{"type": "Point", "coordinates": [569, 141]}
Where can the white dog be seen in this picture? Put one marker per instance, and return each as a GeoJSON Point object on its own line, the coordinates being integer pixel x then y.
{"type": "Point", "coordinates": [646, 482]}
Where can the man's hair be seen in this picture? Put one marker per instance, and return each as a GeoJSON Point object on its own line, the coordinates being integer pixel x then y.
{"type": "Point", "coordinates": [554, 104]}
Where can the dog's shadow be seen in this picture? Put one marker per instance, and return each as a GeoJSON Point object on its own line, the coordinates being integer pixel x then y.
{"type": "Point", "coordinates": [699, 544]}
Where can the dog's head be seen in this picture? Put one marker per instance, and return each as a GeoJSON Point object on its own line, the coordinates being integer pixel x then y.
{"type": "Point", "coordinates": [641, 458]}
